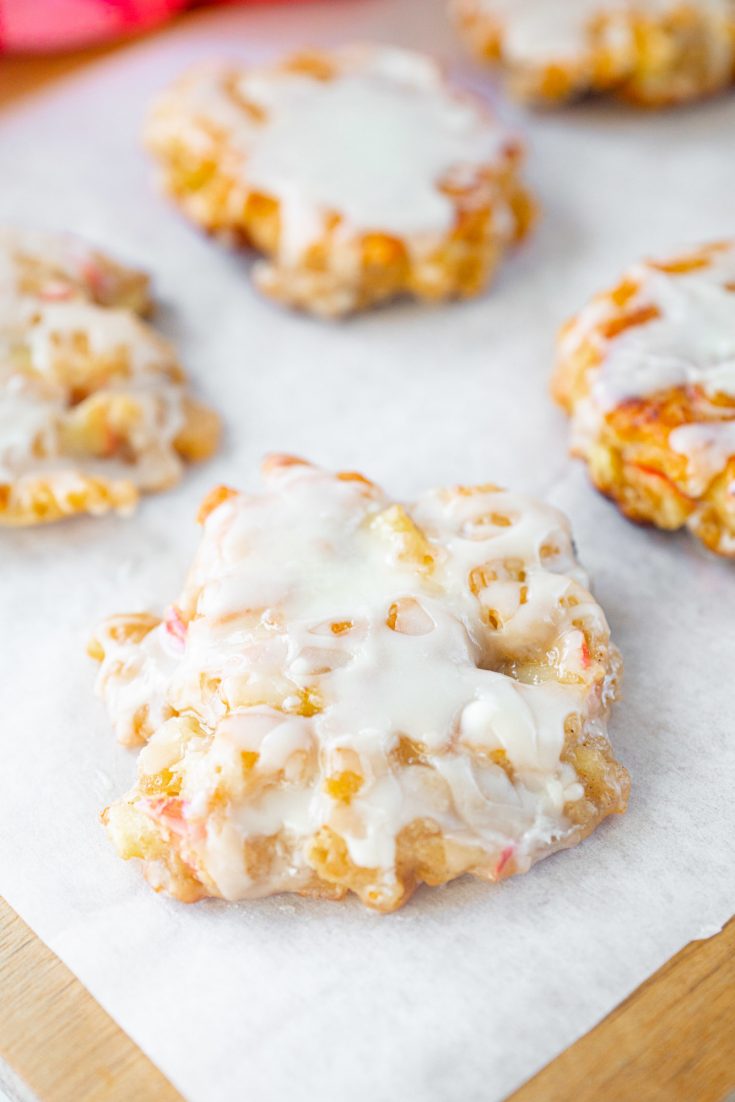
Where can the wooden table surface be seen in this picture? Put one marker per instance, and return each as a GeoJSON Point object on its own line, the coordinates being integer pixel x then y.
{"type": "Point", "coordinates": [672, 1040]}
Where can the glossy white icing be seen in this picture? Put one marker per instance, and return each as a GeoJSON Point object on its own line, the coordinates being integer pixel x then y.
{"type": "Point", "coordinates": [27, 425]}
{"type": "Point", "coordinates": [55, 339]}
{"type": "Point", "coordinates": [690, 342]}
{"type": "Point", "coordinates": [322, 624]}
{"type": "Point", "coordinates": [708, 448]}
{"type": "Point", "coordinates": [538, 32]}
{"type": "Point", "coordinates": [109, 333]}
{"type": "Point", "coordinates": [372, 145]}
{"type": "Point", "coordinates": [687, 341]}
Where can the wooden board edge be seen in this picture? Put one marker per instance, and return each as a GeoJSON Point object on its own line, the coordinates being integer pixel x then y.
{"type": "Point", "coordinates": [672, 1040]}
{"type": "Point", "coordinates": [56, 1038]}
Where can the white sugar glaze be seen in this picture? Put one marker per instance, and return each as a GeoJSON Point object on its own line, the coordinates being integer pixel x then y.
{"type": "Point", "coordinates": [64, 259]}
{"type": "Point", "coordinates": [372, 145]}
{"type": "Point", "coordinates": [273, 573]}
{"type": "Point", "coordinates": [48, 283]}
{"type": "Point", "coordinates": [690, 343]}
{"type": "Point", "coordinates": [536, 32]}
{"type": "Point", "coordinates": [27, 424]}
{"type": "Point", "coordinates": [109, 333]}
{"type": "Point", "coordinates": [708, 448]}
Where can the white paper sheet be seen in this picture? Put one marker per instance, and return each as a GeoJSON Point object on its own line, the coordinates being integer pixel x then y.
{"type": "Point", "coordinates": [470, 989]}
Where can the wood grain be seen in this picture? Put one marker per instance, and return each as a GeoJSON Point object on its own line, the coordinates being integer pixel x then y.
{"type": "Point", "coordinates": [673, 1040]}
{"type": "Point", "coordinates": [23, 76]}
{"type": "Point", "coordinates": [57, 1038]}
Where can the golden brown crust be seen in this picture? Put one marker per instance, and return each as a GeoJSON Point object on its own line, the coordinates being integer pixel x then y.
{"type": "Point", "coordinates": [42, 499]}
{"type": "Point", "coordinates": [648, 59]}
{"type": "Point", "coordinates": [92, 397]}
{"type": "Point", "coordinates": [202, 173]}
{"type": "Point", "coordinates": [220, 810]}
{"type": "Point", "coordinates": [629, 448]}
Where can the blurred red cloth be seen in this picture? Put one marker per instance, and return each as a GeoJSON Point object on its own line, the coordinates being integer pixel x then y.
{"type": "Point", "coordinates": [36, 26]}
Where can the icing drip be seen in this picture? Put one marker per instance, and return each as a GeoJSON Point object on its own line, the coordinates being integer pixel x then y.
{"type": "Point", "coordinates": [373, 144]}
{"type": "Point", "coordinates": [708, 448]}
{"type": "Point", "coordinates": [675, 329]}
{"type": "Point", "coordinates": [65, 355]}
{"type": "Point", "coordinates": [690, 341]}
{"type": "Point", "coordinates": [324, 629]}
{"type": "Point", "coordinates": [537, 32]}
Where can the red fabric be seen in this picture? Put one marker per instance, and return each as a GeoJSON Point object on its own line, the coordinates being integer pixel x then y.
{"type": "Point", "coordinates": [33, 26]}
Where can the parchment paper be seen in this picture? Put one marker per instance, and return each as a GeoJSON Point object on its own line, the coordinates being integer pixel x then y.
{"type": "Point", "coordinates": [470, 989]}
